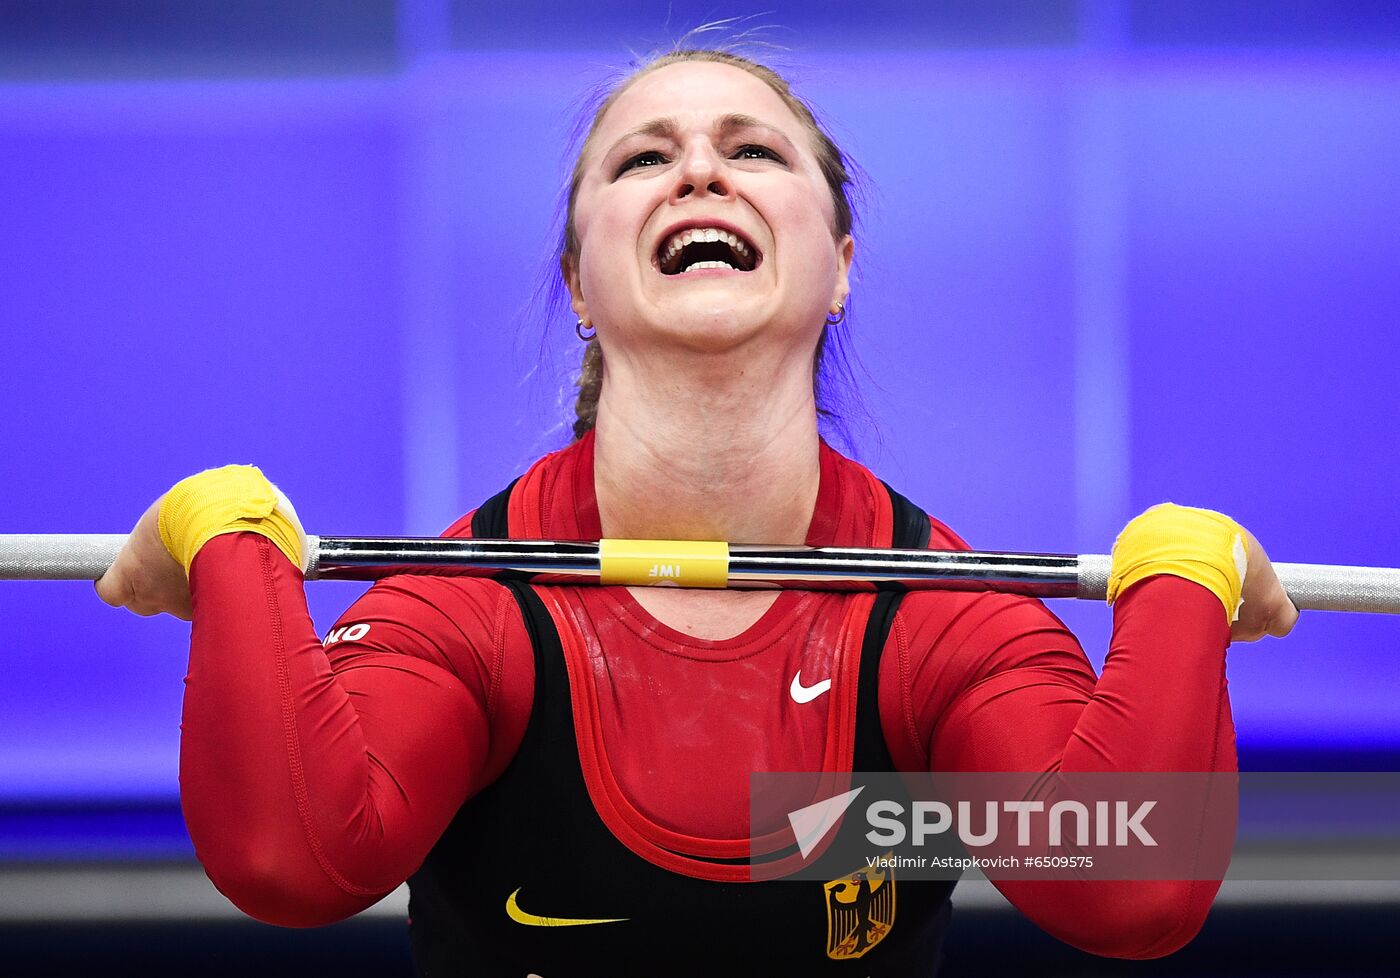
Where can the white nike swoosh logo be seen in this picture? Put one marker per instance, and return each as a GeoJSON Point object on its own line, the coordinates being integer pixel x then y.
{"type": "Point", "coordinates": [805, 694]}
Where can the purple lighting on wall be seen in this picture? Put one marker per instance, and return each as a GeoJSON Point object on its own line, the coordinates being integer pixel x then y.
{"type": "Point", "coordinates": [1092, 278]}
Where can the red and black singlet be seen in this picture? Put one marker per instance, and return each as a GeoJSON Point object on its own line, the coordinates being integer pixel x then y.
{"type": "Point", "coordinates": [663, 902]}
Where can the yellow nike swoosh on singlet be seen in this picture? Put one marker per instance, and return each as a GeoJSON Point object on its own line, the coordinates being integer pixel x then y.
{"type": "Point", "coordinates": [521, 917]}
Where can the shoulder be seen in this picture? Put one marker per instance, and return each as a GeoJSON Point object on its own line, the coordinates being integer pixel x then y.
{"type": "Point", "coordinates": [512, 511]}
{"type": "Point", "coordinates": [446, 612]}
{"type": "Point", "coordinates": [552, 499]}
{"type": "Point", "coordinates": [985, 628]}
{"type": "Point", "coordinates": [968, 636]}
{"type": "Point", "coordinates": [471, 605]}
{"type": "Point", "coordinates": [879, 503]}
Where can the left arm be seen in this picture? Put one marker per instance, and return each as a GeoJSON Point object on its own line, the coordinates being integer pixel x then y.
{"type": "Point", "coordinates": [997, 683]}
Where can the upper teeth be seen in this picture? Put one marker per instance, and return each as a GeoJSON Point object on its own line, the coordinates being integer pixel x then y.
{"type": "Point", "coordinates": [679, 241]}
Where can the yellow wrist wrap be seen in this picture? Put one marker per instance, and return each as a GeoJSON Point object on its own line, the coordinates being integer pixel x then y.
{"type": "Point", "coordinates": [232, 499]}
{"type": "Point", "coordinates": [1198, 544]}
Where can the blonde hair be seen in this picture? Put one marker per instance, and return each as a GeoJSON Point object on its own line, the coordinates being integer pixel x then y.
{"type": "Point", "coordinates": [835, 168]}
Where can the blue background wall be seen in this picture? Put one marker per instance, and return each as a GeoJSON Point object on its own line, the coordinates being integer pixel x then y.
{"type": "Point", "coordinates": [1115, 253]}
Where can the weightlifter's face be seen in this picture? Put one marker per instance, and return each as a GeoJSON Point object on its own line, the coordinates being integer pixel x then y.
{"type": "Point", "coordinates": [703, 219]}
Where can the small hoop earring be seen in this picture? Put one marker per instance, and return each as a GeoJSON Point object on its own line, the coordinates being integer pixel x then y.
{"type": "Point", "coordinates": [578, 328]}
{"type": "Point", "coordinates": [840, 316]}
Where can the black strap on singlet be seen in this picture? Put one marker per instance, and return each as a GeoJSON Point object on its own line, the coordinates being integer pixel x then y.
{"type": "Point", "coordinates": [535, 833]}
{"type": "Point", "coordinates": [491, 519]}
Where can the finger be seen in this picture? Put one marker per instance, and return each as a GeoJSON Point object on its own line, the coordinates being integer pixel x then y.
{"type": "Point", "coordinates": [1273, 615]}
{"type": "Point", "coordinates": [1255, 618]}
{"type": "Point", "coordinates": [1284, 618]}
{"type": "Point", "coordinates": [106, 590]}
{"type": "Point", "coordinates": [114, 586]}
{"type": "Point", "coordinates": [1246, 631]}
{"type": "Point", "coordinates": [1281, 613]}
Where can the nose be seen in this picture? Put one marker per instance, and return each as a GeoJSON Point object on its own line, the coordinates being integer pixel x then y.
{"type": "Point", "coordinates": [702, 171]}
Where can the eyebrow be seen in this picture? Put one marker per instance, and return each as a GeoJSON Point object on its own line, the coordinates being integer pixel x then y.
{"type": "Point", "coordinates": [668, 128]}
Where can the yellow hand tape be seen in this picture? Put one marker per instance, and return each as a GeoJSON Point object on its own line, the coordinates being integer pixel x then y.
{"type": "Point", "coordinates": [684, 563]}
{"type": "Point", "coordinates": [1199, 545]}
{"type": "Point", "coordinates": [235, 498]}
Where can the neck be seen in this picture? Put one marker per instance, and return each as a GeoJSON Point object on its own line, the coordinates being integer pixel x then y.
{"type": "Point", "coordinates": [707, 447]}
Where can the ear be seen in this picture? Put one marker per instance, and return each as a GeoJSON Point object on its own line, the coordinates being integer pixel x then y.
{"type": "Point", "coordinates": [568, 268]}
{"type": "Point", "coordinates": [845, 253]}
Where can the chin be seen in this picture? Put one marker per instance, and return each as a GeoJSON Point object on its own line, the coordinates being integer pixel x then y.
{"type": "Point", "coordinates": [717, 334]}
{"type": "Point", "coordinates": [727, 331]}
{"type": "Point", "coordinates": [716, 319]}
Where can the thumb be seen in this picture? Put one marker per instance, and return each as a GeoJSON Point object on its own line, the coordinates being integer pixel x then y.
{"type": "Point", "coordinates": [114, 586]}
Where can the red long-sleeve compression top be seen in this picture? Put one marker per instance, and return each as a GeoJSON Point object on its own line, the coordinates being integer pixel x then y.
{"type": "Point", "coordinates": [315, 777]}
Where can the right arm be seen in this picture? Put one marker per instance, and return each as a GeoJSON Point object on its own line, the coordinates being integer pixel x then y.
{"type": "Point", "coordinates": [315, 780]}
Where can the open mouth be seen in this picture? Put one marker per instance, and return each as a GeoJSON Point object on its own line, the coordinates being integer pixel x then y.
{"type": "Point", "coordinates": [696, 249]}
